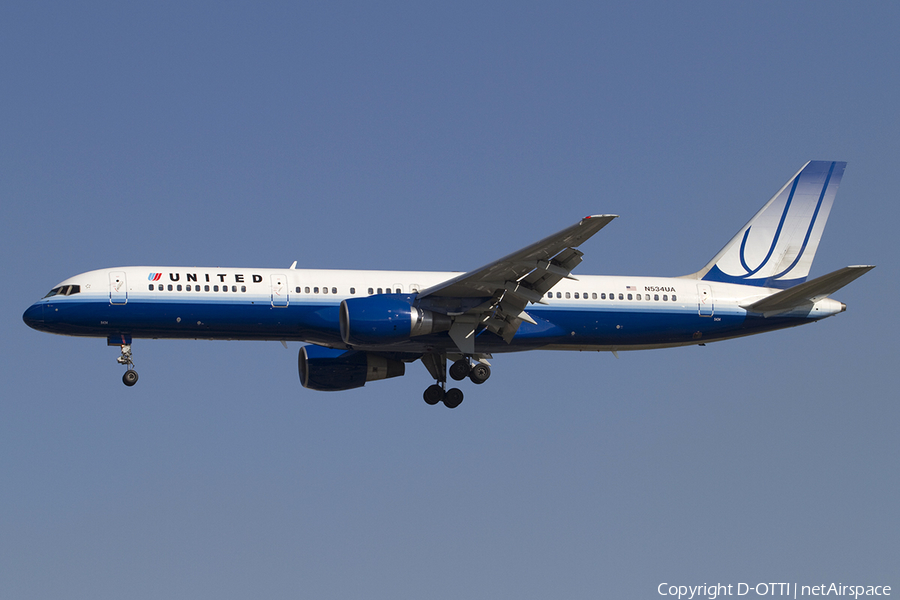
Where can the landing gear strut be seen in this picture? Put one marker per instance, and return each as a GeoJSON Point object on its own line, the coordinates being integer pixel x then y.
{"type": "Point", "coordinates": [130, 377]}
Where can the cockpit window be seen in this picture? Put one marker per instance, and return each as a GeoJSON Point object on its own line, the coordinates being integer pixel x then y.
{"type": "Point", "coordinates": [64, 290]}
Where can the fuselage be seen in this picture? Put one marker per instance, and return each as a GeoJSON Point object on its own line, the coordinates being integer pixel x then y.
{"type": "Point", "coordinates": [590, 313]}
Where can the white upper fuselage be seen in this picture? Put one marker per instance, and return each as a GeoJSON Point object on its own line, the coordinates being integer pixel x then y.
{"type": "Point", "coordinates": [596, 312]}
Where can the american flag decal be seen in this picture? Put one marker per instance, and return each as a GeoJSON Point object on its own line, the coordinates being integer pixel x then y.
{"type": "Point", "coordinates": [631, 288]}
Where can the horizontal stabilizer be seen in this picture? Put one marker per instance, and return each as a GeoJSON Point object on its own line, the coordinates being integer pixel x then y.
{"type": "Point", "coordinates": [810, 291]}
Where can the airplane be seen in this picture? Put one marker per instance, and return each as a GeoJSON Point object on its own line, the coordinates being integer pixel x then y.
{"type": "Point", "coordinates": [362, 326]}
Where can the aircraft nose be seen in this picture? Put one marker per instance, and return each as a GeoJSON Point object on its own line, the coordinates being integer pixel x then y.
{"type": "Point", "coordinates": [34, 316]}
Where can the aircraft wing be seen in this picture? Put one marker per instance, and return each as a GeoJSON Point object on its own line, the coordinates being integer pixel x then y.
{"type": "Point", "coordinates": [514, 281]}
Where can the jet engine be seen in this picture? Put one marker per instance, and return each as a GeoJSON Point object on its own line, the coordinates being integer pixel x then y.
{"type": "Point", "coordinates": [385, 319]}
{"type": "Point", "coordinates": [329, 370]}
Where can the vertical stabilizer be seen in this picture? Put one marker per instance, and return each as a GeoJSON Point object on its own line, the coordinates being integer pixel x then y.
{"type": "Point", "coordinates": [776, 248]}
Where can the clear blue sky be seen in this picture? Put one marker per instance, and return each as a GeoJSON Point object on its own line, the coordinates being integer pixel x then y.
{"type": "Point", "coordinates": [441, 136]}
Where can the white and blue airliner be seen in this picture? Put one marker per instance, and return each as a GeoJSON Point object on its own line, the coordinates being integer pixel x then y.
{"type": "Point", "coordinates": [364, 326]}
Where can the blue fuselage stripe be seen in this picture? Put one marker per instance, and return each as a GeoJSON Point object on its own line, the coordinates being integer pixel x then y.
{"type": "Point", "coordinates": [617, 325]}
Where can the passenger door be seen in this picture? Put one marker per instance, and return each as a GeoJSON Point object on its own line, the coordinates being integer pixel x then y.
{"type": "Point", "coordinates": [705, 300]}
{"type": "Point", "coordinates": [118, 288]}
{"type": "Point", "coordinates": [279, 291]}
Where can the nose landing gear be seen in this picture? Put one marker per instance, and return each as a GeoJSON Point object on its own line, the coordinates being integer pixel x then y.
{"type": "Point", "coordinates": [130, 377]}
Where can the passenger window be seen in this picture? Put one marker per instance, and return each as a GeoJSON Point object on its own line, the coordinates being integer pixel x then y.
{"type": "Point", "coordinates": [334, 290]}
{"type": "Point", "coordinates": [674, 299]}
{"type": "Point", "coordinates": [234, 288]}
{"type": "Point", "coordinates": [559, 294]}
{"type": "Point", "coordinates": [629, 297]}
{"type": "Point", "coordinates": [656, 297]}
{"type": "Point", "coordinates": [576, 295]}
{"type": "Point", "coordinates": [602, 296]}
{"type": "Point", "coordinates": [170, 287]}
{"type": "Point", "coordinates": [215, 288]}
{"type": "Point", "coordinates": [324, 290]}
{"type": "Point", "coordinates": [224, 288]}
{"type": "Point", "coordinates": [243, 288]}
{"type": "Point", "coordinates": [399, 291]}
{"type": "Point", "coordinates": [315, 290]}
{"type": "Point", "coordinates": [206, 288]}
{"type": "Point", "coordinates": [352, 290]}
{"type": "Point", "coordinates": [621, 296]}
{"type": "Point", "coordinates": [298, 289]}
{"type": "Point", "coordinates": [549, 294]}
{"type": "Point", "coordinates": [584, 295]}
{"type": "Point", "coordinates": [306, 289]}
{"type": "Point", "coordinates": [151, 287]}
{"type": "Point", "coordinates": [371, 291]}
{"type": "Point", "coordinates": [379, 290]}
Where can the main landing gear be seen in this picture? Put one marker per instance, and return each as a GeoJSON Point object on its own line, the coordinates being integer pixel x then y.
{"type": "Point", "coordinates": [436, 393]}
{"type": "Point", "coordinates": [437, 365]}
{"type": "Point", "coordinates": [130, 377]}
{"type": "Point", "coordinates": [478, 372]}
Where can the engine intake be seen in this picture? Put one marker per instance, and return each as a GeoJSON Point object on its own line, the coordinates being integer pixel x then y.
{"type": "Point", "coordinates": [384, 319]}
{"type": "Point", "coordinates": [329, 370]}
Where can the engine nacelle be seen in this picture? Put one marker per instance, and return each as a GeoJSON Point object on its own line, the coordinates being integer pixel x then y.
{"type": "Point", "coordinates": [329, 370]}
{"type": "Point", "coordinates": [386, 319]}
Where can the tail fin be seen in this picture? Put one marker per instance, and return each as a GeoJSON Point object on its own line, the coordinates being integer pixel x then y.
{"type": "Point", "coordinates": [776, 248]}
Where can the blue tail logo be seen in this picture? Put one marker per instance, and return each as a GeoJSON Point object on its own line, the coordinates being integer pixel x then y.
{"type": "Point", "coordinates": [776, 248]}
